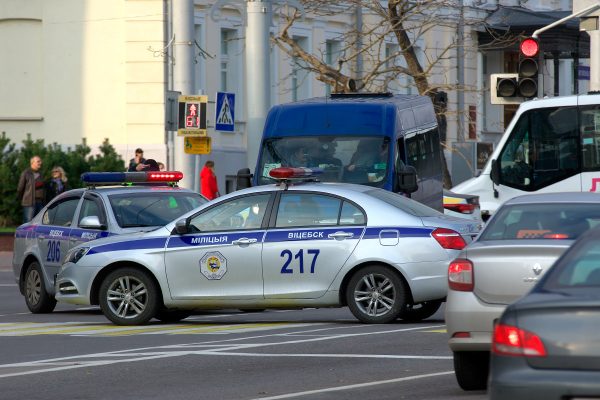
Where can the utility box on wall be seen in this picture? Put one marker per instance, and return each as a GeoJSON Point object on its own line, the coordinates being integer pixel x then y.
{"type": "Point", "coordinates": [468, 159]}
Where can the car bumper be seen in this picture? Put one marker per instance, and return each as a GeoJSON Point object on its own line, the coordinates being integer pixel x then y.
{"type": "Point", "coordinates": [467, 314]}
{"type": "Point", "coordinates": [509, 381]}
{"type": "Point", "coordinates": [73, 284]}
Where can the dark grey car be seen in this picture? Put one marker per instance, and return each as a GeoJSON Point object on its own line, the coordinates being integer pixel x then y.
{"type": "Point", "coordinates": [545, 346]}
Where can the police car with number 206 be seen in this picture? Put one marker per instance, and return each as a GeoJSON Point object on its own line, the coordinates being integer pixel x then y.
{"type": "Point", "coordinates": [149, 200]}
{"type": "Point", "coordinates": [298, 243]}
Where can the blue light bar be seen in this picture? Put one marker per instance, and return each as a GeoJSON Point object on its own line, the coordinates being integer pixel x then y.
{"type": "Point", "coordinates": [107, 178]}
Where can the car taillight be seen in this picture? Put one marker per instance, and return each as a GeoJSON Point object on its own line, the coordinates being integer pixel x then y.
{"type": "Point", "coordinates": [461, 208]}
{"type": "Point", "coordinates": [511, 341]}
{"type": "Point", "coordinates": [449, 239]}
{"type": "Point", "coordinates": [460, 275]}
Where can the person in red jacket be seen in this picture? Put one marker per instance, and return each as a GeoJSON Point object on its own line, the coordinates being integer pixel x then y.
{"type": "Point", "coordinates": [208, 181]}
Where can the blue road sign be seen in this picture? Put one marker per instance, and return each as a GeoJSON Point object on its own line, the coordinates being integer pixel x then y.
{"type": "Point", "coordinates": [225, 115]}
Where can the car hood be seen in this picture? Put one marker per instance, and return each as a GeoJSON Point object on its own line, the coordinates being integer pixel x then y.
{"type": "Point", "coordinates": [160, 232]}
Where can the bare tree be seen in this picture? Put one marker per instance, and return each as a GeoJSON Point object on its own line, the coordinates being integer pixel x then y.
{"type": "Point", "coordinates": [403, 23]}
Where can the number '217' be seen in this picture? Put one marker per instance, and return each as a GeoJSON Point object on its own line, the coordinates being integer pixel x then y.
{"type": "Point", "coordinates": [287, 254]}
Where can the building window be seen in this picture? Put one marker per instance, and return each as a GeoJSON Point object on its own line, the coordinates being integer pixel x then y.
{"type": "Point", "coordinates": [333, 49]}
{"type": "Point", "coordinates": [229, 53]}
{"type": "Point", "coordinates": [300, 79]}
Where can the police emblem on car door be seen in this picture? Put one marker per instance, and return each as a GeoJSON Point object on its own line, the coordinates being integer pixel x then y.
{"type": "Point", "coordinates": [220, 257]}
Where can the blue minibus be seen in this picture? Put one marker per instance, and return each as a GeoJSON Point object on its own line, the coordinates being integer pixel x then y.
{"type": "Point", "coordinates": [381, 140]}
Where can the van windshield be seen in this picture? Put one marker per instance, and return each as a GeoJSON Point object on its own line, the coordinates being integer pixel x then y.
{"type": "Point", "coordinates": [352, 159]}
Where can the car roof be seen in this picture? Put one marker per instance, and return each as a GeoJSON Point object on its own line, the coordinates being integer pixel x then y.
{"type": "Point", "coordinates": [325, 187]}
{"type": "Point", "coordinates": [556, 197]}
{"type": "Point", "coordinates": [116, 189]}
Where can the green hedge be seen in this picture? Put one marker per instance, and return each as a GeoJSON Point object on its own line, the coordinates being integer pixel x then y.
{"type": "Point", "coordinates": [74, 162]}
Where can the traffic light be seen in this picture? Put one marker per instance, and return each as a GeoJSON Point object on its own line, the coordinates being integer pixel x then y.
{"type": "Point", "coordinates": [527, 82]}
{"type": "Point", "coordinates": [514, 88]}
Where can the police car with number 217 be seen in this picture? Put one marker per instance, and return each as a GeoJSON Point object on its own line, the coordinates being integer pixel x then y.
{"type": "Point", "coordinates": [297, 243]}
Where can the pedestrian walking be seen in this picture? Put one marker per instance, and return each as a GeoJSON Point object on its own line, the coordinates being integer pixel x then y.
{"type": "Point", "coordinates": [137, 163]}
{"type": "Point", "coordinates": [208, 181]}
{"type": "Point", "coordinates": [30, 189]}
{"type": "Point", "coordinates": [57, 183]}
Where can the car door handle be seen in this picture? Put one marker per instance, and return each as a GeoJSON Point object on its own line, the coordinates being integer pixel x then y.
{"type": "Point", "coordinates": [340, 235]}
{"type": "Point", "coordinates": [244, 241]}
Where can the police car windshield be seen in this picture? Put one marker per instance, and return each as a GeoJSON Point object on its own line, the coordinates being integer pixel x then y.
{"type": "Point", "coordinates": [143, 209]}
{"type": "Point", "coordinates": [404, 203]}
{"type": "Point", "coordinates": [350, 159]}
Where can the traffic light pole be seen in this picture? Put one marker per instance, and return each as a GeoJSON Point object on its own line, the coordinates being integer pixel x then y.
{"type": "Point", "coordinates": [594, 37]}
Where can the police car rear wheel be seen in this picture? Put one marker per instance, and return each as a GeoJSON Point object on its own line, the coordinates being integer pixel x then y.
{"type": "Point", "coordinates": [375, 295]}
{"type": "Point", "coordinates": [36, 297]}
{"type": "Point", "coordinates": [420, 311]}
{"type": "Point", "coordinates": [128, 296]}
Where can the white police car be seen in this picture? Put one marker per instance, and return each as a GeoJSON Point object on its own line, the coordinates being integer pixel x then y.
{"type": "Point", "coordinates": [81, 215]}
{"type": "Point", "coordinates": [295, 244]}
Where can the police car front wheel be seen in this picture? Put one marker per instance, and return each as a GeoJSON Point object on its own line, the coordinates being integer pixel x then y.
{"type": "Point", "coordinates": [129, 296]}
{"type": "Point", "coordinates": [375, 295]}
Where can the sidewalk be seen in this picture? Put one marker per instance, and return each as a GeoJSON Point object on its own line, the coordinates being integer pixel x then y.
{"type": "Point", "coordinates": [6, 260]}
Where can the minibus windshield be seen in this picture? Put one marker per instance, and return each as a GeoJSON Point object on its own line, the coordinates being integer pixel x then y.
{"type": "Point", "coordinates": [350, 159]}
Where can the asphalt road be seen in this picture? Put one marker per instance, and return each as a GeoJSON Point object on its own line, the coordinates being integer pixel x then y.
{"type": "Point", "coordinates": [75, 353]}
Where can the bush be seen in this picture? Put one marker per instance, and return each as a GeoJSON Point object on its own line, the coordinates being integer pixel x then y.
{"type": "Point", "coordinates": [13, 161]}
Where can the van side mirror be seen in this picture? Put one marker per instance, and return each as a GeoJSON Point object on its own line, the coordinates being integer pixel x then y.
{"type": "Point", "coordinates": [495, 172]}
{"type": "Point", "coordinates": [407, 179]}
{"type": "Point", "coordinates": [243, 179]}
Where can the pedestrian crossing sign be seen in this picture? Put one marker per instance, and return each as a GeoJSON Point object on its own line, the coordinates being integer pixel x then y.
{"type": "Point", "coordinates": [225, 112]}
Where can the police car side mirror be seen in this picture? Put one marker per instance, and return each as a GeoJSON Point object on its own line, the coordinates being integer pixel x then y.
{"type": "Point", "coordinates": [181, 227]}
{"type": "Point", "coordinates": [243, 179]}
{"type": "Point", "coordinates": [495, 172]}
{"type": "Point", "coordinates": [91, 222]}
{"type": "Point", "coordinates": [407, 179]}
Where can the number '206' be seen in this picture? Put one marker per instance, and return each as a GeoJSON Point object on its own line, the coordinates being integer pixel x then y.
{"type": "Point", "coordinates": [289, 256]}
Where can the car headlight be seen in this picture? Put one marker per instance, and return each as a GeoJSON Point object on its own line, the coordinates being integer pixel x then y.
{"type": "Point", "coordinates": [75, 254]}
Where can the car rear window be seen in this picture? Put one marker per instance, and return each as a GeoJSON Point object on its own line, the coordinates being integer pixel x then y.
{"type": "Point", "coordinates": [403, 203]}
{"type": "Point", "coordinates": [152, 208]}
{"type": "Point", "coordinates": [578, 269]}
{"type": "Point", "coordinates": [542, 221]}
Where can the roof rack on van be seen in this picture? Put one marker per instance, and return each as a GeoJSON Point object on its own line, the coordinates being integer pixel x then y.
{"type": "Point", "coordinates": [363, 95]}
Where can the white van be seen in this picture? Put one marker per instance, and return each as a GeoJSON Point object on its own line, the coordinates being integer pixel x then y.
{"type": "Point", "coordinates": [551, 145]}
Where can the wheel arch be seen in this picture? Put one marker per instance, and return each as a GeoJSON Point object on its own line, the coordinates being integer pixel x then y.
{"type": "Point", "coordinates": [351, 272]}
{"type": "Point", "coordinates": [99, 278]}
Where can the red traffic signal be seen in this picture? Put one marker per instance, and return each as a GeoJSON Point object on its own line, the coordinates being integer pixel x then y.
{"type": "Point", "coordinates": [529, 47]}
{"type": "Point", "coordinates": [527, 81]}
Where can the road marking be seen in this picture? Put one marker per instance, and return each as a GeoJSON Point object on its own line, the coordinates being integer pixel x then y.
{"type": "Point", "coordinates": [213, 348]}
{"type": "Point", "coordinates": [108, 330]}
{"type": "Point", "coordinates": [355, 386]}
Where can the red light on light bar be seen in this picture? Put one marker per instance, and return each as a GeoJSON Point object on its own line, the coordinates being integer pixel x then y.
{"type": "Point", "coordinates": [291, 173]}
{"type": "Point", "coordinates": [556, 236]}
{"type": "Point", "coordinates": [529, 47]}
{"type": "Point", "coordinates": [164, 176]}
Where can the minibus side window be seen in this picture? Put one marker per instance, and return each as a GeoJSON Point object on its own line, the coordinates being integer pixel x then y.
{"type": "Point", "coordinates": [590, 138]}
{"type": "Point", "coordinates": [542, 149]}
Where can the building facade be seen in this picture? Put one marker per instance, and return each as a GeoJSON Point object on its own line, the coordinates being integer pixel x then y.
{"type": "Point", "coordinates": [96, 69]}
